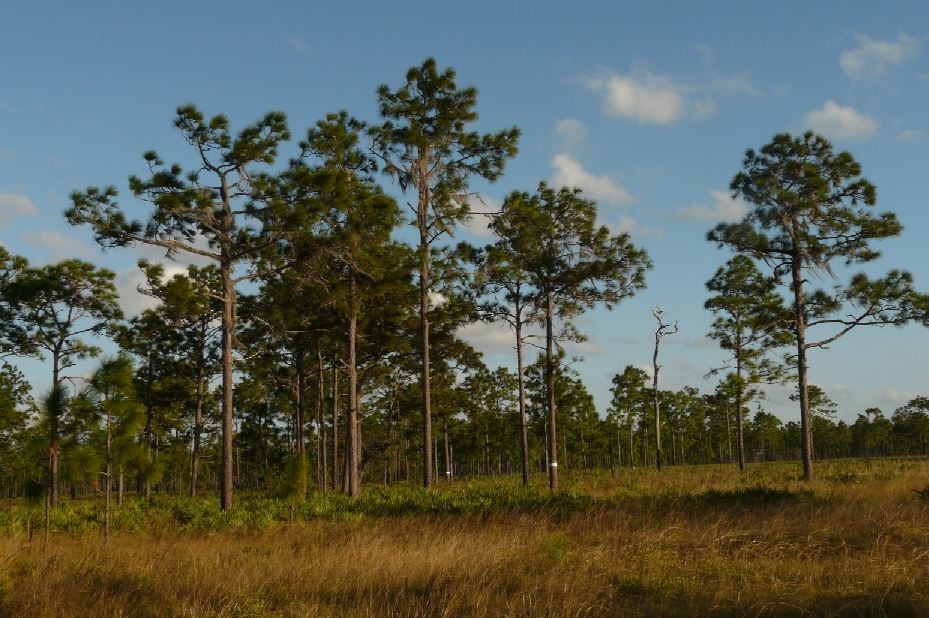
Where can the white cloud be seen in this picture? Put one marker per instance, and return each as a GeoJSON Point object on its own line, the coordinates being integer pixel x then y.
{"type": "Point", "coordinates": [128, 281]}
{"type": "Point", "coordinates": [570, 173]}
{"type": "Point", "coordinates": [724, 208]}
{"type": "Point", "coordinates": [57, 245]}
{"type": "Point", "coordinates": [735, 85]}
{"type": "Point", "coordinates": [13, 205]}
{"type": "Point", "coordinates": [871, 57]}
{"type": "Point", "coordinates": [572, 131]}
{"type": "Point", "coordinates": [645, 98]}
{"type": "Point", "coordinates": [895, 398]}
{"type": "Point", "coordinates": [911, 135]}
{"type": "Point", "coordinates": [627, 225]}
{"type": "Point", "coordinates": [488, 337]}
{"type": "Point", "coordinates": [841, 122]}
{"type": "Point", "coordinates": [482, 211]}
{"type": "Point", "coordinates": [296, 43]}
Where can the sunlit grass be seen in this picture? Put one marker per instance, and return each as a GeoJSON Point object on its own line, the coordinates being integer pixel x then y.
{"type": "Point", "coordinates": [689, 541]}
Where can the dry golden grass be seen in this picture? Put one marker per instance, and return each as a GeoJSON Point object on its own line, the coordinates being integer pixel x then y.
{"type": "Point", "coordinates": [693, 541]}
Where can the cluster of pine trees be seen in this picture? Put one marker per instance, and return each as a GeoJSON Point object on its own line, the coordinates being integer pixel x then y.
{"type": "Point", "coordinates": [314, 343]}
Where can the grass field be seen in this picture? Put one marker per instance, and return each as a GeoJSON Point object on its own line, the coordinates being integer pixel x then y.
{"type": "Point", "coordinates": [689, 541]}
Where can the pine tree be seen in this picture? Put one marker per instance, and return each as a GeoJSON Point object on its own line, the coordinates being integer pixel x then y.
{"type": "Point", "coordinates": [214, 211]}
{"type": "Point", "coordinates": [809, 208]}
{"type": "Point", "coordinates": [572, 264]}
{"type": "Point", "coordinates": [424, 144]}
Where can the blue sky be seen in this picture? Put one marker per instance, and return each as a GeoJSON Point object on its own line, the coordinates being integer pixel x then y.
{"type": "Point", "coordinates": [647, 107]}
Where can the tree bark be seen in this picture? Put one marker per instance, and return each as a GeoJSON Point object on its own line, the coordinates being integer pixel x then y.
{"type": "Point", "coordinates": [739, 423]}
{"type": "Point", "coordinates": [353, 486]}
{"type": "Point", "coordinates": [198, 412]}
{"type": "Point", "coordinates": [550, 391]}
{"type": "Point", "coordinates": [806, 428]}
{"type": "Point", "coordinates": [321, 445]}
{"type": "Point", "coordinates": [655, 400]}
{"type": "Point", "coordinates": [521, 379]}
{"type": "Point", "coordinates": [108, 480]}
{"type": "Point", "coordinates": [335, 424]}
{"type": "Point", "coordinates": [228, 339]}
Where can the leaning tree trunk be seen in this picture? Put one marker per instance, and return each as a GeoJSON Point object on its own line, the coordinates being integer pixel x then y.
{"type": "Point", "coordinates": [806, 428]}
{"type": "Point", "coordinates": [550, 391]}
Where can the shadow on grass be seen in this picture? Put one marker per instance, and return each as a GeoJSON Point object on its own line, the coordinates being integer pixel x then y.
{"type": "Point", "coordinates": [750, 496]}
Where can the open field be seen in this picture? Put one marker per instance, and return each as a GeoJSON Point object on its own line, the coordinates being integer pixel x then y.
{"type": "Point", "coordinates": [690, 541]}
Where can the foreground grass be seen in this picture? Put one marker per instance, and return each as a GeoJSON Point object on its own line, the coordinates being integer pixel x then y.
{"type": "Point", "coordinates": [691, 541]}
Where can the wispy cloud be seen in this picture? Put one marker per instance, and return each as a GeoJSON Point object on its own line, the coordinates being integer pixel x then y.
{"type": "Point", "coordinates": [871, 58]}
{"type": "Point", "coordinates": [572, 132]}
{"type": "Point", "coordinates": [57, 246]}
{"type": "Point", "coordinates": [643, 97]}
{"type": "Point", "coordinates": [13, 205]}
{"type": "Point", "coordinates": [911, 135]}
{"type": "Point", "coordinates": [569, 172]}
{"type": "Point", "coordinates": [724, 207]}
{"type": "Point", "coordinates": [296, 43]}
{"type": "Point", "coordinates": [841, 122]}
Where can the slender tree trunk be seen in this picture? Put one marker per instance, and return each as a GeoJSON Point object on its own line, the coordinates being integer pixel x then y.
{"type": "Point", "coordinates": [198, 412]}
{"type": "Point", "coordinates": [321, 444]}
{"type": "Point", "coordinates": [550, 390]}
{"type": "Point", "coordinates": [806, 427]}
{"type": "Point", "coordinates": [351, 438]}
{"type": "Point", "coordinates": [228, 340]}
{"type": "Point", "coordinates": [335, 424]}
{"type": "Point", "coordinates": [729, 433]}
{"type": "Point", "coordinates": [108, 480]}
{"type": "Point", "coordinates": [657, 411]}
{"type": "Point", "coordinates": [739, 423]}
{"type": "Point", "coordinates": [448, 455]}
{"type": "Point", "coordinates": [300, 421]}
{"type": "Point", "coordinates": [52, 489]}
{"type": "Point", "coordinates": [631, 442]}
{"type": "Point", "coordinates": [120, 488]}
{"type": "Point", "coordinates": [425, 381]}
{"type": "Point", "coordinates": [521, 380]}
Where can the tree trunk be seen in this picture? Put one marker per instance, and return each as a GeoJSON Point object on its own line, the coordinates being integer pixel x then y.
{"type": "Point", "coordinates": [806, 425]}
{"type": "Point", "coordinates": [52, 489]}
{"type": "Point", "coordinates": [198, 412]}
{"type": "Point", "coordinates": [425, 381]}
{"type": "Point", "coordinates": [335, 424]}
{"type": "Point", "coordinates": [657, 408]}
{"type": "Point", "coordinates": [300, 421]}
{"type": "Point", "coordinates": [521, 379]}
{"type": "Point", "coordinates": [321, 445]}
{"type": "Point", "coordinates": [353, 486]}
{"type": "Point", "coordinates": [550, 391]}
{"type": "Point", "coordinates": [228, 340]}
{"type": "Point", "coordinates": [448, 455]}
{"type": "Point", "coordinates": [739, 424]}
{"type": "Point", "coordinates": [108, 479]}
